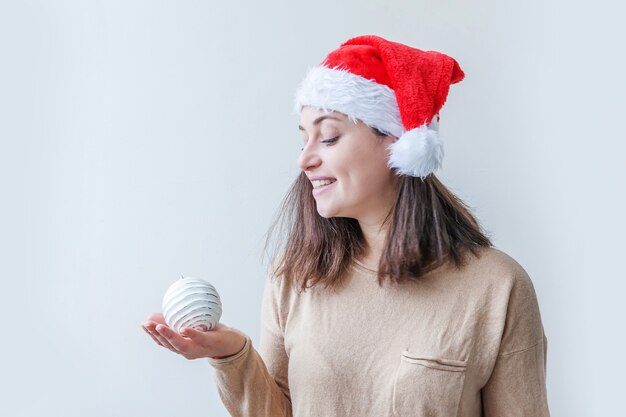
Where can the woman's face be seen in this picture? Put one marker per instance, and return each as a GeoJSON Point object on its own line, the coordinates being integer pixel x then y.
{"type": "Point", "coordinates": [353, 158]}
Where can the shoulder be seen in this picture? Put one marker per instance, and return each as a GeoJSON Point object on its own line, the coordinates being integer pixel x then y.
{"type": "Point", "coordinates": [496, 267]}
{"type": "Point", "coordinates": [278, 291]}
{"type": "Point", "coordinates": [495, 259]}
{"type": "Point", "coordinates": [492, 278]}
{"type": "Point", "coordinates": [504, 282]}
{"type": "Point", "coordinates": [513, 301]}
{"type": "Point", "coordinates": [275, 281]}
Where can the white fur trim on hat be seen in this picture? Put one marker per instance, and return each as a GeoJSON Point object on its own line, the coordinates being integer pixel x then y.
{"type": "Point", "coordinates": [340, 90]}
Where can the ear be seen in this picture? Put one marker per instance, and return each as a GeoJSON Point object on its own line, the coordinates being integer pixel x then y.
{"type": "Point", "coordinates": [389, 141]}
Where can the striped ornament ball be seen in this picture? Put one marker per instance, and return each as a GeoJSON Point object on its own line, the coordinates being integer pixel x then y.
{"type": "Point", "coordinates": [191, 302]}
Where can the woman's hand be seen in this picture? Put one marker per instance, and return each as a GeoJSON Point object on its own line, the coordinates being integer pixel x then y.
{"type": "Point", "coordinates": [220, 342]}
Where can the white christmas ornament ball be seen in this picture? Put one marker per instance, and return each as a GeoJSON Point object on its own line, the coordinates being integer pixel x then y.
{"type": "Point", "coordinates": [191, 302]}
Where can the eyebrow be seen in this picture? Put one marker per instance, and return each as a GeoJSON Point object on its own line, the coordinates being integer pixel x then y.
{"type": "Point", "coordinates": [319, 119]}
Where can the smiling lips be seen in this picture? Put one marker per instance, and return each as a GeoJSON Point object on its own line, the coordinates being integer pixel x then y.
{"type": "Point", "coordinates": [322, 183]}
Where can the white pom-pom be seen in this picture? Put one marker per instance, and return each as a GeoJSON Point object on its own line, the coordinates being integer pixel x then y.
{"type": "Point", "coordinates": [418, 152]}
{"type": "Point", "coordinates": [191, 302]}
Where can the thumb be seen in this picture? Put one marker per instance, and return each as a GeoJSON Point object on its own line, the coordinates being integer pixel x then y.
{"type": "Point", "coordinates": [195, 335]}
{"type": "Point", "coordinates": [189, 332]}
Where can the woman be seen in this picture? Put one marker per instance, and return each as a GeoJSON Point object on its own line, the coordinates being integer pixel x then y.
{"type": "Point", "coordinates": [386, 298]}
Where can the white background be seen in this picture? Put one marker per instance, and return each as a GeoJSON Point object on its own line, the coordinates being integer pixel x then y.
{"type": "Point", "coordinates": [142, 140]}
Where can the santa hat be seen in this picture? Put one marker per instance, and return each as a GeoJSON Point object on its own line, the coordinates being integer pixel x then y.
{"type": "Point", "coordinates": [392, 87]}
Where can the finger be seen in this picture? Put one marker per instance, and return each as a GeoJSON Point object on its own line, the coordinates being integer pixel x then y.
{"type": "Point", "coordinates": [160, 340]}
{"type": "Point", "coordinates": [156, 317]}
{"type": "Point", "coordinates": [174, 339]}
{"type": "Point", "coordinates": [219, 326]}
{"type": "Point", "coordinates": [195, 335]}
{"type": "Point", "coordinates": [150, 327]}
{"type": "Point", "coordinates": [151, 335]}
{"type": "Point", "coordinates": [164, 341]}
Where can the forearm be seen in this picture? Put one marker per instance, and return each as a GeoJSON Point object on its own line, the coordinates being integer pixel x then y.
{"type": "Point", "coordinates": [247, 388]}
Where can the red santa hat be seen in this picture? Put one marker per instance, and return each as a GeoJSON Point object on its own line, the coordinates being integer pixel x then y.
{"type": "Point", "coordinates": [389, 86]}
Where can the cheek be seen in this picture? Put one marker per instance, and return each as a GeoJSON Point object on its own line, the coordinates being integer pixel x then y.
{"type": "Point", "coordinates": [362, 170]}
{"type": "Point", "coordinates": [368, 182]}
{"type": "Point", "coordinates": [373, 171]}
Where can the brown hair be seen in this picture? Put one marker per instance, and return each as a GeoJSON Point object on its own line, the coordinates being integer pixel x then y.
{"type": "Point", "coordinates": [428, 227]}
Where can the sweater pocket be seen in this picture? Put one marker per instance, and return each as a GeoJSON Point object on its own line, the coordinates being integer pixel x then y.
{"type": "Point", "coordinates": [427, 386]}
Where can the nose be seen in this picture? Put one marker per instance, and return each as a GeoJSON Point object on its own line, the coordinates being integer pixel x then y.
{"type": "Point", "coordinates": [309, 158]}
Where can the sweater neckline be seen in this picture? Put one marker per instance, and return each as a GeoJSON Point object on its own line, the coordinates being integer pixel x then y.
{"type": "Point", "coordinates": [363, 268]}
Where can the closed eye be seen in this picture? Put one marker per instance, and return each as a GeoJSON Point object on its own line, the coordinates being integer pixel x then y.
{"type": "Point", "coordinates": [330, 141]}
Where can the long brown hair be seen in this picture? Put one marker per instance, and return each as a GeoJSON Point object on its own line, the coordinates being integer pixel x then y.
{"type": "Point", "coordinates": [428, 227]}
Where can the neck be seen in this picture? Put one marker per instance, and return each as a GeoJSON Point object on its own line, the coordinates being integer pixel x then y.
{"type": "Point", "coordinates": [374, 235]}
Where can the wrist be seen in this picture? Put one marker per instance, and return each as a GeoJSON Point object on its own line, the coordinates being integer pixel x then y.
{"type": "Point", "coordinates": [238, 351]}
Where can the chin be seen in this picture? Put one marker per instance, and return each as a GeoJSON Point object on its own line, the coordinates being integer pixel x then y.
{"type": "Point", "coordinates": [324, 214]}
{"type": "Point", "coordinates": [327, 212]}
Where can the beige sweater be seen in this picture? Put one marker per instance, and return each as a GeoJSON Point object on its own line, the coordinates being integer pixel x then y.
{"type": "Point", "coordinates": [464, 342]}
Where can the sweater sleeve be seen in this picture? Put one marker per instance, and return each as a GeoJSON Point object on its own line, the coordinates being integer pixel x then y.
{"type": "Point", "coordinates": [254, 384]}
{"type": "Point", "coordinates": [517, 385]}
